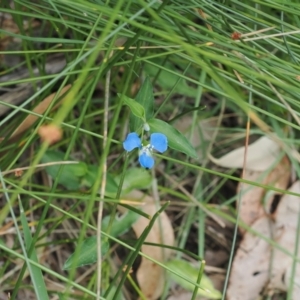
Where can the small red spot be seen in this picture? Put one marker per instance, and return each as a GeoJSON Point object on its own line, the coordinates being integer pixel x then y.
{"type": "Point", "coordinates": [18, 173]}
{"type": "Point", "coordinates": [236, 35]}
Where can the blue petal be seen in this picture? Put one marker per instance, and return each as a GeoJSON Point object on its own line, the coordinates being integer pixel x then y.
{"type": "Point", "coordinates": [132, 141]}
{"type": "Point", "coordinates": [146, 160]}
{"type": "Point", "coordinates": [159, 142]}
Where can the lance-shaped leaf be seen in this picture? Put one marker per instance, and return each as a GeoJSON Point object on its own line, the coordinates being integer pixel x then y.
{"type": "Point", "coordinates": [146, 99]}
{"type": "Point", "coordinates": [136, 109]}
{"type": "Point", "coordinates": [176, 140]}
{"type": "Point", "coordinates": [185, 269]}
{"type": "Point", "coordinates": [87, 252]}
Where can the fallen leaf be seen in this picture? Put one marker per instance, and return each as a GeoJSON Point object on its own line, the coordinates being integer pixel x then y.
{"type": "Point", "coordinates": [261, 155]}
{"type": "Point", "coordinates": [203, 129]}
{"type": "Point", "coordinates": [285, 234]}
{"type": "Point", "coordinates": [255, 265]}
{"type": "Point", "coordinates": [150, 276]}
{"type": "Point", "coordinates": [202, 132]}
{"type": "Point", "coordinates": [8, 25]}
{"type": "Point", "coordinates": [288, 208]}
{"type": "Point", "coordinates": [250, 268]}
{"type": "Point", "coordinates": [254, 201]}
{"type": "Point", "coordinates": [216, 258]}
{"type": "Point", "coordinates": [39, 109]}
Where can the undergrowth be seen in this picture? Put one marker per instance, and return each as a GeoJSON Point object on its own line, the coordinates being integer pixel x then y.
{"type": "Point", "coordinates": [211, 68]}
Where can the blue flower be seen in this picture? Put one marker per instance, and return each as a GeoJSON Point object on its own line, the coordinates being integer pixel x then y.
{"type": "Point", "coordinates": [158, 142]}
{"type": "Point", "coordinates": [132, 141]}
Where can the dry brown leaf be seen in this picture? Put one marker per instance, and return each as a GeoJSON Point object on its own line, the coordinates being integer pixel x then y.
{"type": "Point", "coordinates": [254, 201]}
{"type": "Point", "coordinates": [184, 125]}
{"type": "Point", "coordinates": [8, 25]}
{"type": "Point", "coordinates": [261, 155]}
{"type": "Point", "coordinates": [288, 208]}
{"type": "Point", "coordinates": [285, 234]}
{"type": "Point", "coordinates": [216, 258]}
{"type": "Point", "coordinates": [150, 276]}
{"type": "Point", "coordinates": [251, 207]}
{"type": "Point", "coordinates": [250, 267]}
{"type": "Point", "coordinates": [254, 264]}
{"type": "Point", "coordinates": [39, 109]}
{"type": "Point", "coordinates": [203, 131]}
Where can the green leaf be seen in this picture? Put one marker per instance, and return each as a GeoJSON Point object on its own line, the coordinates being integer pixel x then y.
{"type": "Point", "coordinates": [120, 225]}
{"type": "Point", "coordinates": [176, 140]}
{"type": "Point", "coordinates": [87, 252]}
{"type": "Point", "coordinates": [90, 178]}
{"type": "Point", "coordinates": [111, 294]}
{"type": "Point", "coordinates": [185, 269]}
{"type": "Point", "coordinates": [167, 80]}
{"type": "Point", "coordinates": [145, 98]}
{"type": "Point", "coordinates": [135, 108]}
{"type": "Point", "coordinates": [70, 174]}
{"type": "Point", "coordinates": [135, 178]}
{"type": "Point", "coordinates": [36, 273]}
{"type": "Point", "coordinates": [78, 175]}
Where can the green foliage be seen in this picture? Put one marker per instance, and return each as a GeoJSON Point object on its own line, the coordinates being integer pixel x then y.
{"type": "Point", "coordinates": [135, 178]}
{"type": "Point", "coordinates": [68, 175]}
{"type": "Point", "coordinates": [90, 177]}
{"type": "Point", "coordinates": [144, 104]}
{"type": "Point", "coordinates": [136, 109]}
{"type": "Point", "coordinates": [183, 56]}
{"type": "Point", "coordinates": [86, 253]}
{"type": "Point", "coordinates": [168, 78]}
{"type": "Point", "coordinates": [76, 175]}
{"type": "Point", "coordinates": [176, 140]}
{"type": "Point", "coordinates": [146, 99]}
{"type": "Point", "coordinates": [35, 272]}
{"type": "Point", "coordinates": [185, 269]}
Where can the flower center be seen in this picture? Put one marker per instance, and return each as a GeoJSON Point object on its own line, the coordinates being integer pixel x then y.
{"type": "Point", "coordinates": [146, 150]}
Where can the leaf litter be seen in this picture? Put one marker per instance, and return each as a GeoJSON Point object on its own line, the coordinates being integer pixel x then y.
{"type": "Point", "coordinates": [261, 155]}
{"type": "Point", "coordinates": [285, 234]}
{"type": "Point", "coordinates": [256, 201]}
{"type": "Point", "coordinates": [150, 276]}
{"type": "Point", "coordinates": [39, 109]}
{"type": "Point", "coordinates": [264, 261]}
